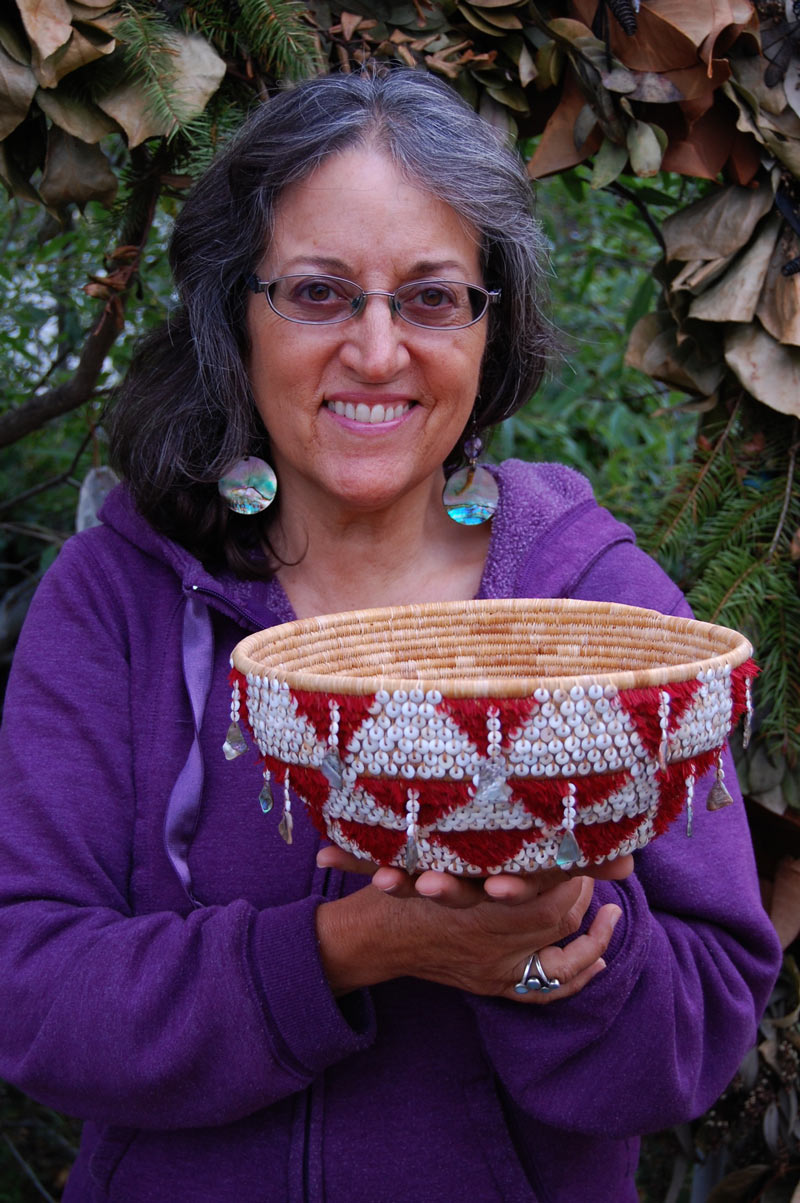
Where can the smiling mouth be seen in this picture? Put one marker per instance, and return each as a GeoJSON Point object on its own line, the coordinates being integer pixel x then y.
{"type": "Point", "coordinates": [368, 414]}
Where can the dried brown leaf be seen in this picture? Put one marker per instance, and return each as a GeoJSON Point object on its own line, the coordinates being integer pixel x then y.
{"type": "Point", "coordinates": [15, 44]}
{"type": "Point", "coordinates": [779, 306]}
{"type": "Point", "coordinates": [794, 546]}
{"type": "Point", "coordinates": [549, 65]}
{"type": "Point", "coordinates": [350, 23]}
{"type": "Point", "coordinates": [653, 348]}
{"type": "Point", "coordinates": [556, 150]}
{"type": "Point", "coordinates": [77, 52]}
{"type": "Point", "coordinates": [75, 172]}
{"type": "Point", "coordinates": [768, 370]}
{"type": "Point", "coordinates": [696, 275]}
{"type": "Point", "coordinates": [526, 67]}
{"type": "Point", "coordinates": [17, 88]}
{"type": "Point", "coordinates": [734, 297]}
{"type": "Point", "coordinates": [197, 73]}
{"type": "Point", "coordinates": [48, 24]}
{"type": "Point", "coordinates": [718, 225]}
{"type": "Point", "coordinates": [82, 120]}
{"type": "Point", "coordinates": [646, 148]}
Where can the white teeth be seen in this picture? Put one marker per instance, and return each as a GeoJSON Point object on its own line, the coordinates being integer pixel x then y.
{"type": "Point", "coordinates": [369, 414]}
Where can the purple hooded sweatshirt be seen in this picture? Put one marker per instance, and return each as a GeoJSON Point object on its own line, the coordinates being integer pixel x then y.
{"type": "Point", "coordinates": [159, 970]}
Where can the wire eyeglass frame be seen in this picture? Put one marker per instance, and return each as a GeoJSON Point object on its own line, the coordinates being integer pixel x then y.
{"type": "Point", "coordinates": [356, 298]}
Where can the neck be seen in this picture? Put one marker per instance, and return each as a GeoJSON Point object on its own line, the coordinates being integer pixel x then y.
{"type": "Point", "coordinates": [411, 551]}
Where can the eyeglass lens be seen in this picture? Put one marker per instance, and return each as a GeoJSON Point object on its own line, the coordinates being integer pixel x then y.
{"type": "Point", "coordinates": [421, 302]}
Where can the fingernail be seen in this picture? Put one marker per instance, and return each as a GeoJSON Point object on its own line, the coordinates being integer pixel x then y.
{"type": "Point", "coordinates": [616, 916]}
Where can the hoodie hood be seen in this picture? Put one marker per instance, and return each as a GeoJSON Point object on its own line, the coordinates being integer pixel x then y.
{"type": "Point", "coordinates": [254, 605]}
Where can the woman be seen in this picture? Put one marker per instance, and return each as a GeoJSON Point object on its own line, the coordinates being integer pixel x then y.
{"type": "Point", "coordinates": [241, 1020]}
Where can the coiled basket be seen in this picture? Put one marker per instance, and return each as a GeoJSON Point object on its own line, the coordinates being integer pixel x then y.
{"type": "Point", "coordinates": [490, 736]}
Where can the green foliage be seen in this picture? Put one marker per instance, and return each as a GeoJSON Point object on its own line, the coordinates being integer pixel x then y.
{"type": "Point", "coordinates": [725, 534]}
{"type": "Point", "coordinates": [619, 427]}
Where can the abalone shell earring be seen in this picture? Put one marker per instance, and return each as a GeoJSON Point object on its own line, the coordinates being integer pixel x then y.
{"type": "Point", "coordinates": [471, 495]}
{"type": "Point", "coordinates": [249, 485]}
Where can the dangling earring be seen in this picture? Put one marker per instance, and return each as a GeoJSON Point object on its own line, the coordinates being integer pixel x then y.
{"type": "Point", "coordinates": [249, 485]}
{"type": "Point", "coordinates": [471, 495]}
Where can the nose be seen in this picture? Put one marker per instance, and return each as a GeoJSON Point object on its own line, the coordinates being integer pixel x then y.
{"type": "Point", "coordinates": [375, 342]}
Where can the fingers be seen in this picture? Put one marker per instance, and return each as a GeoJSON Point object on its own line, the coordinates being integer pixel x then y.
{"type": "Point", "coordinates": [331, 857]}
{"type": "Point", "coordinates": [575, 965]}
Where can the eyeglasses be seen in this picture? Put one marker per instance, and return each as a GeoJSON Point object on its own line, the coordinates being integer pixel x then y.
{"type": "Point", "coordinates": [324, 300]}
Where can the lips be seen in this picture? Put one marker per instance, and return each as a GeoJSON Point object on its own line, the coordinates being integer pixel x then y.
{"type": "Point", "coordinates": [370, 415]}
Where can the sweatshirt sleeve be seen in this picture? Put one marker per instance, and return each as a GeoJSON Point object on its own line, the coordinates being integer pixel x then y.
{"type": "Point", "coordinates": [656, 1037]}
{"type": "Point", "coordinates": [176, 1018]}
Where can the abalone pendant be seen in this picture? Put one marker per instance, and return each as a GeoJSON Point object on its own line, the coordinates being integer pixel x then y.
{"type": "Point", "coordinates": [249, 485]}
{"type": "Point", "coordinates": [470, 496]}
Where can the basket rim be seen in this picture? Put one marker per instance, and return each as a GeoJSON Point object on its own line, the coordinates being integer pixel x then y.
{"type": "Point", "coordinates": [735, 649]}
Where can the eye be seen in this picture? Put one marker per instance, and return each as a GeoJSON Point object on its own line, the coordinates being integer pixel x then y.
{"type": "Point", "coordinates": [317, 290]}
{"type": "Point", "coordinates": [429, 296]}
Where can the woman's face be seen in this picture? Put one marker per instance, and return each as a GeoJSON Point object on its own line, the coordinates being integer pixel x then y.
{"type": "Point", "coordinates": [362, 412]}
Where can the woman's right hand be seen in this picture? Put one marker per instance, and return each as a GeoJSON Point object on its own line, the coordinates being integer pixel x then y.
{"type": "Point", "coordinates": [478, 943]}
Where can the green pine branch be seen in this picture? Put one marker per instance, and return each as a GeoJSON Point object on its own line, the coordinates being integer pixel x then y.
{"type": "Point", "coordinates": [277, 33]}
{"type": "Point", "coordinates": [725, 534]}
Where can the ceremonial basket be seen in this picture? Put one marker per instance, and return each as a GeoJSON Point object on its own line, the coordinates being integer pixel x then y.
{"type": "Point", "coordinates": [490, 736]}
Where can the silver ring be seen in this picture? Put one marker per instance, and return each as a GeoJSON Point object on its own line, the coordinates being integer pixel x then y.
{"type": "Point", "coordinates": [536, 980]}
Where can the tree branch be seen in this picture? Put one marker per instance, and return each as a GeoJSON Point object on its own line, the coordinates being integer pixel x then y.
{"type": "Point", "coordinates": [42, 407]}
{"type": "Point", "coordinates": [23, 419]}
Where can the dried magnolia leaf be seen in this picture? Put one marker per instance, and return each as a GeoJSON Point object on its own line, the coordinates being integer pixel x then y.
{"type": "Point", "coordinates": [497, 115]}
{"type": "Point", "coordinates": [350, 23]}
{"type": "Point", "coordinates": [48, 24]}
{"type": "Point", "coordinates": [495, 23]}
{"type": "Point", "coordinates": [197, 71]}
{"type": "Point", "coordinates": [14, 44]}
{"type": "Point", "coordinates": [549, 65]}
{"type": "Point", "coordinates": [579, 36]}
{"type": "Point", "coordinates": [584, 126]}
{"type": "Point", "coordinates": [698, 274]}
{"type": "Point", "coordinates": [718, 225]}
{"type": "Point", "coordinates": [657, 88]}
{"type": "Point", "coordinates": [779, 306]}
{"type": "Point", "coordinates": [734, 297]}
{"type": "Point", "coordinates": [657, 45]}
{"type": "Point", "coordinates": [78, 51]}
{"type": "Point", "coordinates": [16, 93]}
{"type": "Point", "coordinates": [556, 150]}
{"type": "Point", "coordinates": [75, 172]}
{"type": "Point", "coordinates": [619, 80]}
{"type": "Point", "coordinates": [653, 348]}
{"type": "Point", "coordinates": [646, 148]}
{"type": "Point", "coordinates": [15, 182]}
{"type": "Point", "coordinates": [82, 120]}
{"type": "Point", "coordinates": [526, 67]}
{"type": "Point", "coordinates": [509, 95]}
{"type": "Point", "coordinates": [768, 370]}
{"type": "Point", "coordinates": [748, 78]}
{"type": "Point", "coordinates": [675, 33]}
{"type": "Point", "coordinates": [791, 85]}
{"type": "Point", "coordinates": [609, 161]}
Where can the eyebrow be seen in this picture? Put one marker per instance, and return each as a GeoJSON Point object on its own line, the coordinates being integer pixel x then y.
{"type": "Point", "coordinates": [337, 267]}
